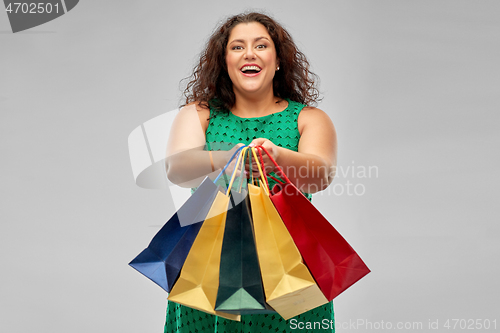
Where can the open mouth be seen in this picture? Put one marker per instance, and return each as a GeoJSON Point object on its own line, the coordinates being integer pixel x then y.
{"type": "Point", "coordinates": [250, 69]}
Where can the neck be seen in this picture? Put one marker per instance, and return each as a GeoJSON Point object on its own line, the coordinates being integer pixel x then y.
{"type": "Point", "coordinates": [255, 105]}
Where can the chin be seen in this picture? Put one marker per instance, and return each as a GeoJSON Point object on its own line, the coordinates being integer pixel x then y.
{"type": "Point", "coordinates": [252, 89]}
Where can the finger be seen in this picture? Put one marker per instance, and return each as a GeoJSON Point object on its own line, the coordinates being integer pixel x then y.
{"type": "Point", "coordinates": [269, 167]}
{"type": "Point", "coordinates": [269, 162]}
{"type": "Point", "coordinates": [255, 167]}
{"type": "Point", "coordinates": [257, 142]}
{"type": "Point", "coordinates": [268, 153]}
{"type": "Point", "coordinates": [259, 160]}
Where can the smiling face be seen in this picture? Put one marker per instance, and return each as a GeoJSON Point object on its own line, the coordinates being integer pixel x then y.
{"type": "Point", "coordinates": [251, 59]}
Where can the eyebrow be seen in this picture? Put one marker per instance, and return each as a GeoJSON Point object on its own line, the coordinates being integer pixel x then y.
{"type": "Point", "coordinates": [242, 41]}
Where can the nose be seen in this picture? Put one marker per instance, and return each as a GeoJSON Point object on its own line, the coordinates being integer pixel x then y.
{"type": "Point", "coordinates": [249, 53]}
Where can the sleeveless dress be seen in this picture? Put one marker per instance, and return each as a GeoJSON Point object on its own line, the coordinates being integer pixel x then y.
{"type": "Point", "coordinates": [224, 131]}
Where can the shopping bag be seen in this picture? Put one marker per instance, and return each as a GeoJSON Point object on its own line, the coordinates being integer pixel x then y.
{"type": "Point", "coordinates": [240, 283]}
{"type": "Point", "coordinates": [162, 260]}
{"type": "Point", "coordinates": [198, 282]}
{"type": "Point", "coordinates": [289, 287]}
{"type": "Point", "coordinates": [331, 260]}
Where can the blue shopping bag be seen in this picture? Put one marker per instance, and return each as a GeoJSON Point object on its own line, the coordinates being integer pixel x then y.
{"type": "Point", "coordinates": [164, 257]}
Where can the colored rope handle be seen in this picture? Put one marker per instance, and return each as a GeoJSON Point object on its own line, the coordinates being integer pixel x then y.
{"type": "Point", "coordinates": [262, 171]}
{"type": "Point", "coordinates": [227, 164]}
{"type": "Point", "coordinates": [279, 181]}
{"type": "Point", "coordinates": [245, 152]}
{"type": "Point", "coordinates": [242, 153]}
{"type": "Point", "coordinates": [282, 173]}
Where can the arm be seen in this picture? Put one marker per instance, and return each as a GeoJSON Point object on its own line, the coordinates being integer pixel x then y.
{"type": "Point", "coordinates": [312, 168]}
{"type": "Point", "coordinates": [187, 163]}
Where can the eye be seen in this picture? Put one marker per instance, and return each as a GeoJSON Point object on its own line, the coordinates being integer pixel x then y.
{"type": "Point", "coordinates": [237, 47]}
{"type": "Point", "coordinates": [262, 46]}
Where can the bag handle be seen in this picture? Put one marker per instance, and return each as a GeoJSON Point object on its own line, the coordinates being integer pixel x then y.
{"type": "Point", "coordinates": [262, 171]}
{"type": "Point", "coordinates": [229, 162]}
{"type": "Point", "coordinates": [268, 189]}
{"type": "Point", "coordinates": [242, 153]}
{"type": "Point", "coordinates": [282, 174]}
{"type": "Point", "coordinates": [276, 179]}
{"type": "Point", "coordinates": [242, 166]}
{"type": "Point", "coordinates": [250, 152]}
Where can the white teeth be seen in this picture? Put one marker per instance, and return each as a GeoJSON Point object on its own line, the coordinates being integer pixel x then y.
{"type": "Point", "coordinates": [249, 68]}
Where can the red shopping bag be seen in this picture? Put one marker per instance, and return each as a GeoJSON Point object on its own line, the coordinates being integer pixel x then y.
{"type": "Point", "coordinates": [331, 260]}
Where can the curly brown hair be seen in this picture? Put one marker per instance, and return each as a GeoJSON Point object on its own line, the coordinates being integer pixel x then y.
{"type": "Point", "coordinates": [210, 83]}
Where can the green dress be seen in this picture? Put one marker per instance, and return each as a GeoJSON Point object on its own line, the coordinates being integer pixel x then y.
{"type": "Point", "coordinates": [224, 131]}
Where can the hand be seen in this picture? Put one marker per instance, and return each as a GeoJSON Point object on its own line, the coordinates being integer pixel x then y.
{"type": "Point", "coordinates": [272, 149]}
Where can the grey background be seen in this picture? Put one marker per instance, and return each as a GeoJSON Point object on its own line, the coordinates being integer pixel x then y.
{"type": "Point", "coordinates": [412, 87]}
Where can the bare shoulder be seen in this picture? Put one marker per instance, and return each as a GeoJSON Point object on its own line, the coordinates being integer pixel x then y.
{"type": "Point", "coordinates": [203, 112]}
{"type": "Point", "coordinates": [200, 107]}
{"type": "Point", "coordinates": [311, 117]}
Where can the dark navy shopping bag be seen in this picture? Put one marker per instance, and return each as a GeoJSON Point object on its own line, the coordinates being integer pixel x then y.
{"type": "Point", "coordinates": [162, 260]}
{"type": "Point", "coordinates": [164, 257]}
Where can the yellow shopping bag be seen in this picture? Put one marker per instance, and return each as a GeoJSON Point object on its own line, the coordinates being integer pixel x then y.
{"type": "Point", "coordinates": [289, 287]}
{"type": "Point", "coordinates": [199, 278]}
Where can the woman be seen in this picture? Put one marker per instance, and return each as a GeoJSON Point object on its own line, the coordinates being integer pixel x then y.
{"type": "Point", "coordinates": [251, 86]}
